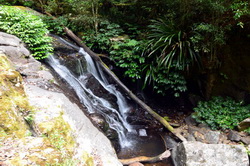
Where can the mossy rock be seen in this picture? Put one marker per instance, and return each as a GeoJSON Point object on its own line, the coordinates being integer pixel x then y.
{"type": "Point", "coordinates": [13, 102]}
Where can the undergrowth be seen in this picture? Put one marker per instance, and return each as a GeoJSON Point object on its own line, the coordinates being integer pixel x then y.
{"type": "Point", "coordinates": [221, 113]}
{"type": "Point", "coordinates": [29, 28]}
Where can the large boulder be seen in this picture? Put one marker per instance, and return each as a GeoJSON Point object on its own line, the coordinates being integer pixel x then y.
{"type": "Point", "coordinates": [201, 154]}
{"type": "Point", "coordinates": [54, 111]}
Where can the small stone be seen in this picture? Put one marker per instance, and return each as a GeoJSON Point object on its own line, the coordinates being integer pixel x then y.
{"type": "Point", "coordinates": [246, 140]}
{"type": "Point", "coordinates": [245, 124]}
{"type": "Point", "coordinates": [190, 137]}
{"type": "Point", "coordinates": [223, 138]}
{"type": "Point", "coordinates": [142, 133]}
{"type": "Point", "coordinates": [234, 136]}
{"type": "Point", "coordinates": [212, 137]}
{"type": "Point", "coordinates": [199, 137]}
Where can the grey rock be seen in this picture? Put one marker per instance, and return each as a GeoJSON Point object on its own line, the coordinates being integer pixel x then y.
{"type": "Point", "coordinates": [9, 40]}
{"type": "Point", "coordinates": [245, 124]}
{"type": "Point", "coordinates": [200, 154]}
{"type": "Point", "coordinates": [170, 142]}
{"type": "Point", "coordinates": [212, 137]}
{"type": "Point", "coordinates": [190, 137]}
{"type": "Point", "coordinates": [246, 140]}
{"type": "Point", "coordinates": [204, 135]}
{"type": "Point", "coordinates": [13, 46]}
{"type": "Point", "coordinates": [234, 136]}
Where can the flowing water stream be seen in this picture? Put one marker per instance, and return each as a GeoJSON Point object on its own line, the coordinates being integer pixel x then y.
{"type": "Point", "coordinates": [86, 77]}
{"type": "Point", "coordinates": [115, 115]}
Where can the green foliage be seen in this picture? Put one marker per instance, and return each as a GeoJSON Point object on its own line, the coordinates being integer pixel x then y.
{"type": "Point", "coordinates": [101, 41]}
{"type": "Point", "coordinates": [171, 52]}
{"type": "Point", "coordinates": [8, 2]}
{"type": "Point", "coordinates": [169, 44]}
{"type": "Point", "coordinates": [220, 113]}
{"type": "Point", "coordinates": [28, 3]}
{"type": "Point", "coordinates": [55, 25]}
{"type": "Point", "coordinates": [127, 54]}
{"type": "Point", "coordinates": [247, 130]}
{"type": "Point", "coordinates": [29, 28]}
{"type": "Point", "coordinates": [163, 80]}
{"type": "Point", "coordinates": [240, 8]}
{"type": "Point", "coordinates": [207, 37]}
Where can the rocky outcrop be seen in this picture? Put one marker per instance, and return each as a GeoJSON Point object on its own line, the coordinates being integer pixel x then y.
{"type": "Point", "coordinates": [201, 154]}
{"type": "Point", "coordinates": [206, 147]}
{"type": "Point", "coordinates": [69, 132]}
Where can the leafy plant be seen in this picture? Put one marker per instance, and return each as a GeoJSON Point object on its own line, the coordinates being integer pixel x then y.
{"type": "Point", "coordinates": [101, 41]}
{"type": "Point", "coordinates": [240, 8]}
{"type": "Point", "coordinates": [29, 28]}
{"type": "Point", "coordinates": [221, 113]}
{"type": "Point", "coordinates": [127, 55]}
{"type": "Point", "coordinates": [163, 80]}
{"type": "Point", "coordinates": [168, 44]}
{"type": "Point", "coordinates": [55, 25]}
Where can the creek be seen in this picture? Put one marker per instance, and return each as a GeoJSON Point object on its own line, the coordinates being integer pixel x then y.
{"type": "Point", "coordinates": [103, 100]}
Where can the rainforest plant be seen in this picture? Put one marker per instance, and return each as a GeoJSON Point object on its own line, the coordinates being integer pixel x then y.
{"type": "Point", "coordinates": [221, 113]}
{"type": "Point", "coordinates": [29, 28]}
{"type": "Point", "coordinates": [170, 45]}
{"type": "Point", "coordinates": [101, 41]}
{"type": "Point", "coordinates": [172, 53]}
{"type": "Point", "coordinates": [127, 54]}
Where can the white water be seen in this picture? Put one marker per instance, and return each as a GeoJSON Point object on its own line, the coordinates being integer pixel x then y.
{"type": "Point", "coordinates": [115, 117]}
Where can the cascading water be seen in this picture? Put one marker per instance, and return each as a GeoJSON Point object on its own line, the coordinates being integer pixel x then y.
{"type": "Point", "coordinates": [116, 114]}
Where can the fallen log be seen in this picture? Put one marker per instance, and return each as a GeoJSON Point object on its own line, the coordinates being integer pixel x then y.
{"type": "Point", "coordinates": [116, 79]}
{"type": "Point", "coordinates": [142, 159]}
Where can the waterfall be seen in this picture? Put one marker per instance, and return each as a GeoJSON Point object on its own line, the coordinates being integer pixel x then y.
{"type": "Point", "coordinates": [114, 115]}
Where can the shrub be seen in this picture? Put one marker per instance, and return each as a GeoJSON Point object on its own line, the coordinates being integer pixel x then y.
{"type": "Point", "coordinates": [55, 26]}
{"type": "Point", "coordinates": [29, 28]}
{"type": "Point", "coordinates": [101, 41]}
{"type": "Point", "coordinates": [127, 55]}
{"type": "Point", "coordinates": [221, 113]}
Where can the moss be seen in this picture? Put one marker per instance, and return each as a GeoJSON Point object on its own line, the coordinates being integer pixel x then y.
{"type": "Point", "coordinates": [12, 101]}
{"type": "Point", "coordinates": [59, 134]}
{"type": "Point", "coordinates": [57, 146]}
{"type": "Point", "coordinates": [89, 161]}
